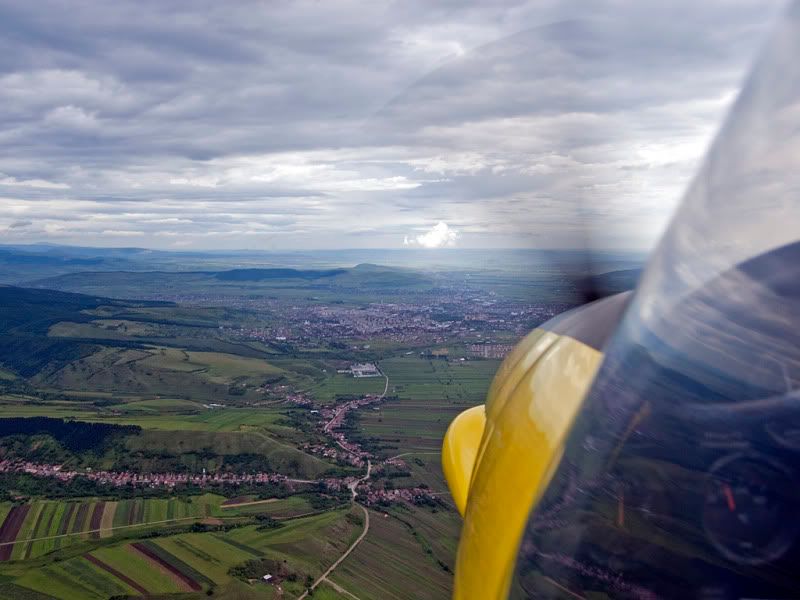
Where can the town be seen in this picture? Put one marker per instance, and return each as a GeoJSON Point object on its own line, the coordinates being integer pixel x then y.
{"type": "Point", "coordinates": [473, 318]}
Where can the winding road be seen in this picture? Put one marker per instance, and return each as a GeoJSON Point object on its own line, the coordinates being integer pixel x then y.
{"type": "Point", "coordinates": [354, 494]}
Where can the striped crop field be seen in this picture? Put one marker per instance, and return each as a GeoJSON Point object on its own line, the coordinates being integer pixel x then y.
{"type": "Point", "coordinates": [393, 549]}
{"type": "Point", "coordinates": [11, 527]}
{"type": "Point", "coordinates": [186, 562]}
{"type": "Point", "coordinates": [183, 574]}
{"type": "Point", "coordinates": [154, 510]}
{"type": "Point", "coordinates": [34, 529]}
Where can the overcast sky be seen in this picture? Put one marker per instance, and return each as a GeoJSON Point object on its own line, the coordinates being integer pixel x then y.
{"type": "Point", "coordinates": [335, 124]}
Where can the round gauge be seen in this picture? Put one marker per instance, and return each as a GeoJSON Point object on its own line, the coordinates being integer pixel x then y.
{"type": "Point", "coordinates": [750, 509]}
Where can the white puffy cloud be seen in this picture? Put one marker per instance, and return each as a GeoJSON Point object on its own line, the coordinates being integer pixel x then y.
{"type": "Point", "coordinates": [438, 236]}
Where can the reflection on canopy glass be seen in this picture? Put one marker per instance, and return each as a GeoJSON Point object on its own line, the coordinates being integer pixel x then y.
{"type": "Point", "coordinates": [680, 476]}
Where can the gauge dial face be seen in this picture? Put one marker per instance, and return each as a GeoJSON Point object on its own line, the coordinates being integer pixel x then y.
{"type": "Point", "coordinates": [750, 509]}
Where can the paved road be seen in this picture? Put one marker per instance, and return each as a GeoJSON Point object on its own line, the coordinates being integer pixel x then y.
{"type": "Point", "coordinates": [327, 427]}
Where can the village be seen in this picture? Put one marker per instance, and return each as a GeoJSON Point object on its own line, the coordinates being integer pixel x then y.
{"type": "Point", "coordinates": [340, 450]}
{"type": "Point", "coordinates": [171, 480]}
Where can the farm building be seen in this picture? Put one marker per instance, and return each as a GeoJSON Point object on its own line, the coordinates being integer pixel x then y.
{"type": "Point", "coordinates": [365, 370]}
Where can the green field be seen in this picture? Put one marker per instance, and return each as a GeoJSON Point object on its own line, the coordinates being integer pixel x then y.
{"type": "Point", "coordinates": [217, 366]}
{"type": "Point", "coordinates": [443, 381]}
{"type": "Point", "coordinates": [227, 419]}
{"type": "Point", "coordinates": [327, 592]}
{"type": "Point", "coordinates": [152, 371]}
{"type": "Point", "coordinates": [111, 329]}
{"type": "Point", "coordinates": [161, 406]}
{"type": "Point", "coordinates": [425, 468]}
{"type": "Point", "coordinates": [408, 425]}
{"type": "Point", "coordinates": [338, 384]}
{"type": "Point", "coordinates": [400, 557]}
{"type": "Point", "coordinates": [187, 562]}
{"type": "Point", "coordinates": [279, 508]}
{"type": "Point", "coordinates": [253, 439]}
{"type": "Point", "coordinates": [416, 378]}
{"type": "Point", "coordinates": [211, 450]}
{"type": "Point", "coordinates": [424, 396]}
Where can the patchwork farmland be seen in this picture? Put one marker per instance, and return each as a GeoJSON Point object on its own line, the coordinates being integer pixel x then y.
{"type": "Point", "coordinates": [192, 562]}
{"type": "Point", "coordinates": [35, 529]}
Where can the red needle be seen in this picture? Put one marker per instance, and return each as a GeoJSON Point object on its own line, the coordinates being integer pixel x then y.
{"type": "Point", "coordinates": [729, 497]}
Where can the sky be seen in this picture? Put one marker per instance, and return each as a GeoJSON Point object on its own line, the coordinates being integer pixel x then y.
{"type": "Point", "coordinates": [282, 125]}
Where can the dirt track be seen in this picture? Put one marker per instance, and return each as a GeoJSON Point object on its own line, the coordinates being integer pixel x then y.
{"type": "Point", "coordinates": [353, 546]}
{"type": "Point", "coordinates": [223, 506]}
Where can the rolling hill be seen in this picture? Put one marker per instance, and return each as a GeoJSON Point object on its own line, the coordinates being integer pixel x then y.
{"type": "Point", "coordinates": [363, 279]}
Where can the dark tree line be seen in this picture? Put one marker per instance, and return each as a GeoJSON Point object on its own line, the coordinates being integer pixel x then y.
{"type": "Point", "coordinates": [75, 436]}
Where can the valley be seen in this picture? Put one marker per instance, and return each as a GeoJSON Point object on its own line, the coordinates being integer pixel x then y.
{"type": "Point", "coordinates": [190, 433]}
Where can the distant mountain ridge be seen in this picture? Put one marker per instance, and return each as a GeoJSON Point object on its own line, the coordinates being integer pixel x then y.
{"type": "Point", "coordinates": [265, 274]}
{"type": "Point", "coordinates": [139, 284]}
{"type": "Point", "coordinates": [23, 264]}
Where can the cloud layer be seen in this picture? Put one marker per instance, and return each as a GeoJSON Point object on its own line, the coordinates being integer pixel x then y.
{"type": "Point", "coordinates": [350, 124]}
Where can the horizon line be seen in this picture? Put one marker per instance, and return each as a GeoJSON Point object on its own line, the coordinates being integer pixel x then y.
{"type": "Point", "coordinates": [347, 249]}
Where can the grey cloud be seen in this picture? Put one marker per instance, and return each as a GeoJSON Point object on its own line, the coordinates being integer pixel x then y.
{"type": "Point", "coordinates": [20, 224]}
{"type": "Point", "coordinates": [310, 120]}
